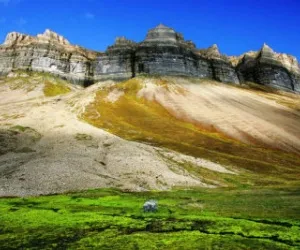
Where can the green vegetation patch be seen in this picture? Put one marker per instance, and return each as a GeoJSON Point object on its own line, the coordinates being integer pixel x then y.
{"type": "Point", "coordinates": [194, 219]}
{"type": "Point", "coordinates": [21, 128]}
{"type": "Point", "coordinates": [30, 80]}
{"type": "Point", "coordinates": [54, 89]}
{"type": "Point", "coordinates": [27, 131]}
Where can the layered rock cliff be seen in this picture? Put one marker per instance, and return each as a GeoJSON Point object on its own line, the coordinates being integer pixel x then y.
{"type": "Point", "coordinates": [48, 52]}
{"type": "Point", "coordinates": [164, 52]}
{"type": "Point", "coordinates": [270, 68]}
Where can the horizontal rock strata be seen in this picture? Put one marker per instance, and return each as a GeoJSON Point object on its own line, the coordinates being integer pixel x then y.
{"type": "Point", "coordinates": [269, 68]}
{"type": "Point", "coordinates": [163, 52]}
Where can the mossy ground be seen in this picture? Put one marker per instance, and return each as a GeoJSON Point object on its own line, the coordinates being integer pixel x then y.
{"type": "Point", "coordinates": [54, 89]}
{"type": "Point", "coordinates": [28, 81]}
{"type": "Point", "coordinates": [146, 121]}
{"type": "Point", "coordinates": [195, 219]}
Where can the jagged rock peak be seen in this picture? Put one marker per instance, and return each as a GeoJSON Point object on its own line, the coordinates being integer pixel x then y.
{"type": "Point", "coordinates": [214, 48]}
{"type": "Point", "coordinates": [16, 37]}
{"type": "Point", "coordinates": [213, 51]}
{"type": "Point", "coordinates": [122, 40]}
{"type": "Point", "coordinates": [235, 60]}
{"type": "Point", "coordinates": [267, 48]}
{"type": "Point", "coordinates": [161, 33]}
{"type": "Point", "coordinates": [162, 26]}
{"type": "Point", "coordinates": [122, 43]}
{"type": "Point", "coordinates": [288, 61]}
{"type": "Point", "coordinates": [51, 36]}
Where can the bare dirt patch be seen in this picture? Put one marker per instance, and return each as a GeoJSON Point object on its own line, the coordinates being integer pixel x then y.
{"type": "Point", "coordinates": [73, 155]}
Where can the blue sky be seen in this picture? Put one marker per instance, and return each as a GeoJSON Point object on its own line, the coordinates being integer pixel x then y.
{"type": "Point", "coordinates": [236, 26]}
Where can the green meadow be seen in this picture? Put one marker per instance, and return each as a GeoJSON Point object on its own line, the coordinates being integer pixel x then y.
{"type": "Point", "coordinates": [186, 219]}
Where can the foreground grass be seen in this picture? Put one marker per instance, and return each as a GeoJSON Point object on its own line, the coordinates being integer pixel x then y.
{"type": "Point", "coordinates": [195, 219]}
{"type": "Point", "coordinates": [141, 120]}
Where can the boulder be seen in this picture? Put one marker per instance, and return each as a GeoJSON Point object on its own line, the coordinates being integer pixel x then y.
{"type": "Point", "coordinates": [150, 206]}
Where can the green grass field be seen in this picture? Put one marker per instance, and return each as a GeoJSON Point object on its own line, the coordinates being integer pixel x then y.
{"type": "Point", "coordinates": [186, 219]}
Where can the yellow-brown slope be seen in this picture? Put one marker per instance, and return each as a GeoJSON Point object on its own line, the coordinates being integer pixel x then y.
{"type": "Point", "coordinates": [232, 126]}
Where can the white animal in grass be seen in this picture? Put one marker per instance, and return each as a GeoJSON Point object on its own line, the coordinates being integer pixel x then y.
{"type": "Point", "coordinates": [150, 206]}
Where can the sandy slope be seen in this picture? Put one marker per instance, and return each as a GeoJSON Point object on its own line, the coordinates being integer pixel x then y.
{"type": "Point", "coordinates": [235, 112]}
{"type": "Point", "coordinates": [62, 162]}
{"type": "Point", "coordinates": [73, 155]}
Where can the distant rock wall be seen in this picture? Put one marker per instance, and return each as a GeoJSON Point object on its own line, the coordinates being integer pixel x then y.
{"type": "Point", "coordinates": [163, 52]}
{"type": "Point", "coordinates": [48, 52]}
{"type": "Point", "coordinates": [118, 61]}
{"type": "Point", "coordinates": [167, 59]}
{"type": "Point", "coordinates": [272, 69]}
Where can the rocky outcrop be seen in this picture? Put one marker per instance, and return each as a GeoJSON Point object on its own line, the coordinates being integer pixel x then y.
{"type": "Point", "coordinates": [118, 61]}
{"type": "Point", "coordinates": [50, 36]}
{"type": "Point", "coordinates": [223, 69]}
{"type": "Point", "coordinates": [48, 52]}
{"type": "Point", "coordinates": [267, 67]}
{"type": "Point", "coordinates": [14, 38]}
{"type": "Point", "coordinates": [164, 51]}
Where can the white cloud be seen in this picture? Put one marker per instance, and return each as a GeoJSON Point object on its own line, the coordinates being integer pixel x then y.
{"type": "Point", "coordinates": [88, 15]}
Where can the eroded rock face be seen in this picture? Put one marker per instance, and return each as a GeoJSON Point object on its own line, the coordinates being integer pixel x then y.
{"type": "Point", "coordinates": [16, 38]}
{"type": "Point", "coordinates": [118, 61]}
{"type": "Point", "coordinates": [50, 36]}
{"type": "Point", "coordinates": [48, 52]}
{"type": "Point", "coordinates": [161, 34]}
{"type": "Point", "coordinates": [270, 68]}
{"type": "Point", "coordinates": [164, 51]}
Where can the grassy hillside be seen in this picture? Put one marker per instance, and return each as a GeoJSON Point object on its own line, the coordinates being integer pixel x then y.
{"type": "Point", "coordinates": [138, 119]}
{"type": "Point", "coordinates": [110, 219]}
{"type": "Point", "coordinates": [30, 81]}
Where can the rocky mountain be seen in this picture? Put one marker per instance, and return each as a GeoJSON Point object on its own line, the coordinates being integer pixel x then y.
{"type": "Point", "coordinates": [164, 51]}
